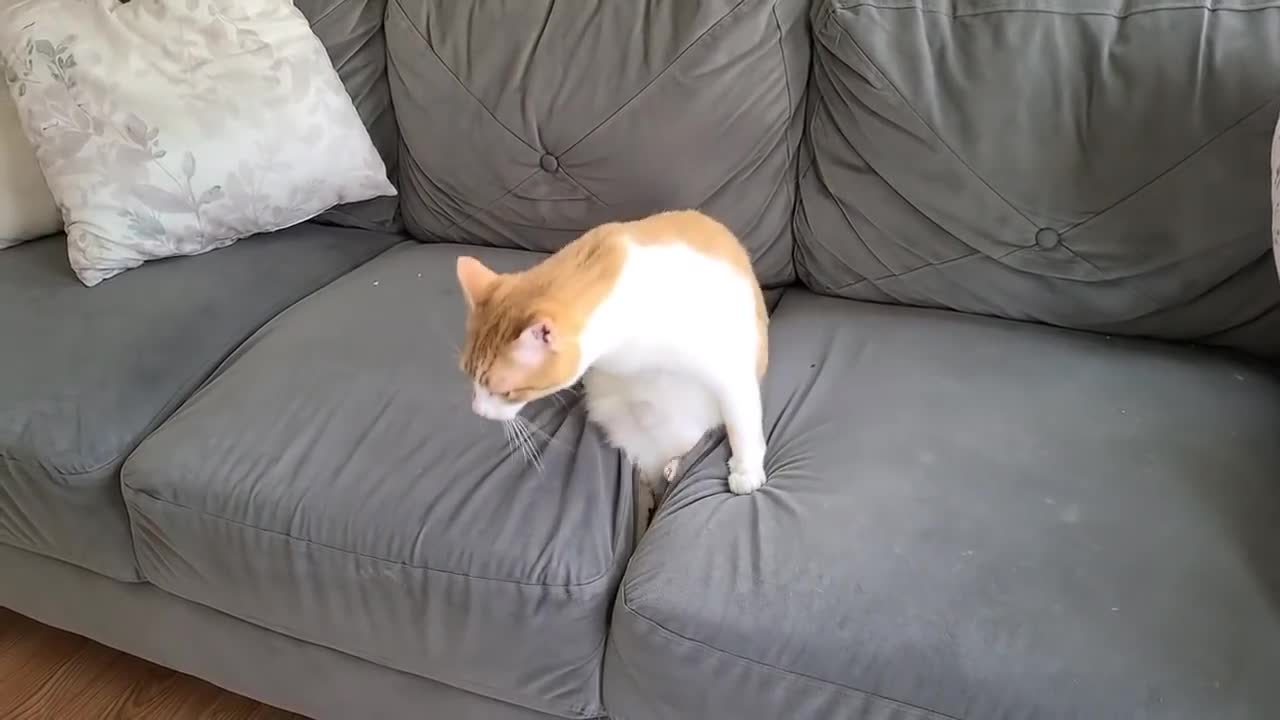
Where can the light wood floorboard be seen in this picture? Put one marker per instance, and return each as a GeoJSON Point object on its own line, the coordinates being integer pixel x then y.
{"type": "Point", "coordinates": [47, 674]}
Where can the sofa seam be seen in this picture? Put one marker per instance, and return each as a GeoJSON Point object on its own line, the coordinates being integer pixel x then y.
{"type": "Point", "coordinates": [952, 261]}
{"type": "Point", "coordinates": [324, 15]}
{"type": "Point", "coordinates": [773, 668]}
{"type": "Point", "coordinates": [602, 577]}
{"type": "Point", "coordinates": [374, 36]}
{"type": "Point", "coordinates": [480, 210]}
{"type": "Point", "coordinates": [829, 19]}
{"type": "Point", "coordinates": [844, 214]}
{"type": "Point", "coordinates": [632, 672]}
{"type": "Point", "coordinates": [657, 76]}
{"type": "Point", "coordinates": [153, 423]}
{"type": "Point", "coordinates": [48, 553]}
{"type": "Point", "coordinates": [417, 31]}
{"type": "Point", "coordinates": [1163, 173]}
{"type": "Point", "coordinates": [479, 688]}
{"type": "Point", "coordinates": [170, 407]}
{"type": "Point", "coordinates": [1139, 295]}
{"type": "Point", "coordinates": [786, 79]}
{"type": "Point", "coordinates": [1043, 11]}
{"type": "Point", "coordinates": [929, 266]}
{"type": "Point", "coordinates": [582, 187]}
{"type": "Point", "coordinates": [927, 126]}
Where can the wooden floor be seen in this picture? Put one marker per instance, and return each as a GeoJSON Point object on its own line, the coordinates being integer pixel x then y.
{"type": "Point", "coordinates": [47, 674]}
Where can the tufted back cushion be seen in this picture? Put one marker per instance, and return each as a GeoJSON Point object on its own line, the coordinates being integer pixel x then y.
{"type": "Point", "coordinates": [1097, 164]}
{"type": "Point", "coordinates": [525, 122]}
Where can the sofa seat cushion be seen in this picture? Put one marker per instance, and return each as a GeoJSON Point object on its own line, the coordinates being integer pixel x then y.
{"type": "Point", "coordinates": [332, 483]}
{"type": "Point", "coordinates": [969, 518]}
{"type": "Point", "coordinates": [86, 373]}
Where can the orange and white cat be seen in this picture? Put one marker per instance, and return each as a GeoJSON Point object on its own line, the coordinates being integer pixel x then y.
{"type": "Point", "coordinates": [663, 321]}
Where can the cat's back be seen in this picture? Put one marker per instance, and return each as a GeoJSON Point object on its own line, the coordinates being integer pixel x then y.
{"type": "Point", "coordinates": [692, 271]}
{"type": "Point", "coordinates": [695, 231]}
{"type": "Point", "coordinates": [686, 260]}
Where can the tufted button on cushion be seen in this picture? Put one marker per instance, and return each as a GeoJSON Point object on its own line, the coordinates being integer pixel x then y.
{"type": "Point", "coordinates": [683, 105]}
{"type": "Point", "coordinates": [1047, 238]}
{"type": "Point", "coordinates": [939, 152]}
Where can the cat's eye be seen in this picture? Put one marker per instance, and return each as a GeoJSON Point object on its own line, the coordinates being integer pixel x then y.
{"type": "Point", "coordinates": [516, 395]}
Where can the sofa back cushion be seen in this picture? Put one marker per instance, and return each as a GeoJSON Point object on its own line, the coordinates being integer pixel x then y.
{"type": "Point", "coordinates": [351, 32]}
{"type": "Point", "coordinates": [1098, 164]}
{"type": "Point", "coordinates": [524, 123]}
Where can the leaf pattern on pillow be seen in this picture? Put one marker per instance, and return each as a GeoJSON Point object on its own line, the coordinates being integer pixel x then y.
{"type": "Point", "coordinates": [175, 128]}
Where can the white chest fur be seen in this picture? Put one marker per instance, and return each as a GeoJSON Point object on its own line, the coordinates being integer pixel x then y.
{"type": "Point", "coordinates": [671, 354]}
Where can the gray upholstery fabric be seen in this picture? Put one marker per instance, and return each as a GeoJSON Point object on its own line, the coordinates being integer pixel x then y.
{"type": "Point", "coordinates": [351, 31]}
{"type": "Point", "coordinates": [331, 483]}
{"type": "Point", "coordinates": [314, 681]}
{"type": "Point", "coordinates": [969, 518]}
{"type": "Point", "coordinates": [1097, 164]}
{"type": "Point", "coordinates": [1275, 195]}
{"type": "Point", "coordinates": [570, 118]}
{"type": "Point", "coordinates": [85, 373]}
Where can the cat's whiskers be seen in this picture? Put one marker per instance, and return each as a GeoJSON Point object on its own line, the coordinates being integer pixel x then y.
{"type": "Point", "coordinates": [513, 437]}
{"type": "Point", "coordinates": [527, 442]}
{"type": "Point", "coordinates": [543, 433]}
{"type": "Point", "coordinates": [537, 450]}
{"type": "Point", "coordinates": [682, 273]}
{"type": "Point", "coordinates": [520, 435]}
{"type": "Point", "coordinates": [507, 433]}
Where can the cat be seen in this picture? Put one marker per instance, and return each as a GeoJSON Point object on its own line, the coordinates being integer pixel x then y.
{"type": "Point", "coordinates": [663, 321]}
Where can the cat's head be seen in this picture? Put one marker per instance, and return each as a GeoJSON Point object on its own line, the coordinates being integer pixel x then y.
{"type": "Point", "coordinates": [520, 345]}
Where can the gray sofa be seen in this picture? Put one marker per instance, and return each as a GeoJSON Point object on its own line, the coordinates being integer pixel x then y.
{"type": "Point", "coordinates": [1023, 408]}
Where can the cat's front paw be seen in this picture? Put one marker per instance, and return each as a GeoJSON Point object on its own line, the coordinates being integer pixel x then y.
{"type": "Point", "coordinates": [745, 477]}
{"type": "Point", "coordinates": [670, 469]}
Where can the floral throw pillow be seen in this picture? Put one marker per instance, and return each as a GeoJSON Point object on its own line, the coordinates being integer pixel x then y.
{"type": "Point", "coordinates": [174, 127]}
{"type": "Point", "coordinates": [27, 211]}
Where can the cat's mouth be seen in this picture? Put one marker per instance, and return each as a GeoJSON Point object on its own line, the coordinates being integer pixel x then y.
{"type": "Point", "coordinates": [496, 410]}
{"type": "Point", "coordinates": [491, 406]}
{"type": "Point", "coordinates": [499, 409]}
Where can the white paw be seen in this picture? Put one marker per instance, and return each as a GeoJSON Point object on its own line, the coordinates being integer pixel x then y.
{"type": "Point", "coordinates": [669, 470]}
{"type": "Point", "coordinates": [745, 478]}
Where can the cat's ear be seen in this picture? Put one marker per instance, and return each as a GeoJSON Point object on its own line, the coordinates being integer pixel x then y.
{"type": "Point", "coordinates": [536, 342]}
{"type": "Point", "coordinates": [475, 279]}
